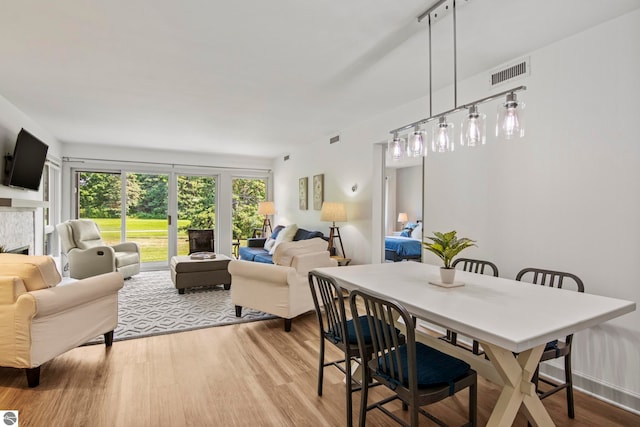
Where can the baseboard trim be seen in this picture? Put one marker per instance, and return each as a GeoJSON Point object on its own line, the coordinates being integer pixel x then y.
{"type": "Point", "coordinates": [605, 392]}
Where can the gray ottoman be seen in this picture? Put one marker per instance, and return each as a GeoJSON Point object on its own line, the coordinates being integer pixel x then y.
{"type": "Point", "coordinates": [188, 273]}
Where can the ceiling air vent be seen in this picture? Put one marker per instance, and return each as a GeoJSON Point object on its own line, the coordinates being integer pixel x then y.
{"type": "Point", "coordinates": [286, 157]}
{"type": "Point", "coordinates": [334, 139]}
{"type": "Point", "coordinates": [510, 72]}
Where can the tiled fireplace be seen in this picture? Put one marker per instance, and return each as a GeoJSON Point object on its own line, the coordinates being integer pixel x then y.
{"type": "Point", "coordinates": [17, 229]}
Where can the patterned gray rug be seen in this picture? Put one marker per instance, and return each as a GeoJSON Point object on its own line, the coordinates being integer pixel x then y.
{"type": "Point", "coordinates": [150, 305]}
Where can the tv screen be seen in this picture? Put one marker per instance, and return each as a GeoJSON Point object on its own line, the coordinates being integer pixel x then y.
{"type": "Point", "coordinates": [28, 162]}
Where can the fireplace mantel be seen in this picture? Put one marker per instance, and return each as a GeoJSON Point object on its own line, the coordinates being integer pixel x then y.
{"type": "Point", "coordinates": [22, 203]}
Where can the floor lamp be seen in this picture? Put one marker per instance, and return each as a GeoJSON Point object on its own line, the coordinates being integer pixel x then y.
{"type": "Point", "coordinates": [334, 212]}
{"type": "Point", "coordinates": [266, 209]}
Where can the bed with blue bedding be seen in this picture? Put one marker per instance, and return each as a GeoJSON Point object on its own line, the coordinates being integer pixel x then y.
{"type": "Point", "coordinates": [399, 248]}
{"type": "Point", "coordinates": [406, 246]}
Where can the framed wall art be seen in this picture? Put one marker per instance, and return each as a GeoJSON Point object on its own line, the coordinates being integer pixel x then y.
{"type": "Point", "coordinates": [318, 191]}
{"type": "Point", "coordinates": [303, 184]}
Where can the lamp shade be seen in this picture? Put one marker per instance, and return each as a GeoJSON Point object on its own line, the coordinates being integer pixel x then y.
{"type": "Point", "coordinates": [266, 208]}
{"type": "Point", "coordinates": [333, 212]}
{"type": "Point", "coordinates": [402, 217]}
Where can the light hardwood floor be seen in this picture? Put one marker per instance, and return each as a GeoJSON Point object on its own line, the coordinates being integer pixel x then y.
{"type": "Point", "coordinates": [251, 374]}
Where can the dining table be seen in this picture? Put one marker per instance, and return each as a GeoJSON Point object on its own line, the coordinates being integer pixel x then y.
{"type": "Point", "coordinates": [512, 320]}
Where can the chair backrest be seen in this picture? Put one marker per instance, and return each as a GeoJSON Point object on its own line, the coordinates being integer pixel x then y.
{"type": "Point", "coordinates": [79, 233]}
{"type": "Point", "coordinates": [328, 301]}
{"type": "Point", "coordinates": [381, 316]}
{"type": "Point", "coordinates": [201, 240]}
{"type": "Point", "coordinates": [476, 266]}
{"type": "Point", "coordinates": [550, 278]}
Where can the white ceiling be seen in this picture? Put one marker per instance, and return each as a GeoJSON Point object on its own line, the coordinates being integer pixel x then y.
{"type": "Point", "coordinates": [250, 77]}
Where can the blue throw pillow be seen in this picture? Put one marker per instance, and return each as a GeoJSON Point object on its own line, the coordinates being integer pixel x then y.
{"type": "Point", "coordinates": [406, 233]}
{"type": "Point", "coordinates": [277, 231]}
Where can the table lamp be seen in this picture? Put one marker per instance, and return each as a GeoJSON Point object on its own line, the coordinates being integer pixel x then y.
{"type": "Point", "coordinates": [266, 209]}
{"type": "Point", "coordinates": [403, 219]}
{"type": "Point", "coordinates": [332, 211]}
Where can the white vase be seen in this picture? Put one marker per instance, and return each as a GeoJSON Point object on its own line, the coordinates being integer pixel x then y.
{"type": "Point", "coordinates": [447, 275]}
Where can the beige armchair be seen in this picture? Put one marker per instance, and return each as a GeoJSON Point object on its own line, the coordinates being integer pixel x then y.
{"type": "Point", "coordinates": [281, 289]}
{"type": "Point", "coordinates": [41, 319]}
{"type": "Point", "coordinates": [88, 255]}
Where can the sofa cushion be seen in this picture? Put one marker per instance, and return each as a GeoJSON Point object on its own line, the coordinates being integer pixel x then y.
{"type": "Point", "coordinates": [269, 244]}
{"type": "Point", "coordinates": [303, 234]}
{"type": "Point", "coordinates": [264, 258]}
{"type": "Point", "coordinates": [285, 235]}
{"type": "Point", "coordinates": [36, 272]}
{"type": "Point", "coordinates": [248, 254]}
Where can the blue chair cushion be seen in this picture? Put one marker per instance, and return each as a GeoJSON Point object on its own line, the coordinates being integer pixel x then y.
{"type": "Point", "coordinates": [434, 367]}
{"type": "Point", "coordinates": [351, 331]}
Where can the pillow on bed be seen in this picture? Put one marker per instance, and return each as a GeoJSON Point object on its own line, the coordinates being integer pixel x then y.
{"type": "Point", "coordinates": [416, 233]}
{"type": "Point", "coordinates": [406, 232]}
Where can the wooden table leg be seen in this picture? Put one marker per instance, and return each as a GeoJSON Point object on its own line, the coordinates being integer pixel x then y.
{"type": "Point", "coordinates": [516, 372]}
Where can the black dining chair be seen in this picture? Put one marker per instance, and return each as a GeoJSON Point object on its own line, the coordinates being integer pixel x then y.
{"type": "Point", "coordinates": [556, 348]}
{"type": "Point", "coordinates": [472, 266]}
{"type": "Point", "coordinates": [328, 299]}
{"type": "Point", "coordinates": [417, 374]}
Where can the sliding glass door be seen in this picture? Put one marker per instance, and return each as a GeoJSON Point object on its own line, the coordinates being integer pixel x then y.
{"type": "Point", "coordinates": [146, 216]}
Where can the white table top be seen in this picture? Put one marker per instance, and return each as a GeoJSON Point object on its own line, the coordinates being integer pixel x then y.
{"type": "Point", "coordinates": [513, 315]}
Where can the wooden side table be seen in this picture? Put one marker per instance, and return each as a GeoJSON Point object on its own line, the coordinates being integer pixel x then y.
{"type": "Point", "coordinates": [342, 261]}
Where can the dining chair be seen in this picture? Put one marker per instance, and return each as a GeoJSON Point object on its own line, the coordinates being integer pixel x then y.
{"type": "Point", "coordinates": [472, 266]}
{"type": "Point", "coordinates": [555, 349]}
{"type": "Point", "coordinates": [328, 299]}
{"type": "Point", "coordinates": [417, 374]}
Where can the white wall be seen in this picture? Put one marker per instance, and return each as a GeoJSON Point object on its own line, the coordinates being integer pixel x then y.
{"type": "Point", "coordinates": [11, 121]}
{"type": "Point", "coordinates": [409, 192]}
{"type": "Point", "coordinates": [566, 197]}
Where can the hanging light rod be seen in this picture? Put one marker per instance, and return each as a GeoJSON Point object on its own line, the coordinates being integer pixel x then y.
{"type": "Point", "coordinates": [455, 110]}
{"type": "Point", "coordinates": [431, 9]}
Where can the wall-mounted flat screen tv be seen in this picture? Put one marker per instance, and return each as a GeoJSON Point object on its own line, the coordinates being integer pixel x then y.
{"type": "Point", "coordinates": [27, 162]}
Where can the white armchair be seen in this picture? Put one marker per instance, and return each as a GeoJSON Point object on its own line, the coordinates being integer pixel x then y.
{"type": "Point", "coordinates": [88, 255]}
{"type": "Point", "coordinates": [40, 319]}
{"type": "Point", "coordinates": [281, 289]}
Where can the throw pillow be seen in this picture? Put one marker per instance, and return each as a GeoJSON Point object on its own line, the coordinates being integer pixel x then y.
{"type": "Point", "coordinates": [417, 232]}
{"type": "Point", "coordinates": [286, 235]}
{"type": "Point", "coordinates": [406, 233]}
{"type": "Point", "coordinates": [269, 243]}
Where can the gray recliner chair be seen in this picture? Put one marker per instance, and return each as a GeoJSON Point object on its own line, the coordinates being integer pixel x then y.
{"type": "Point", "coordinates": [88, 255]}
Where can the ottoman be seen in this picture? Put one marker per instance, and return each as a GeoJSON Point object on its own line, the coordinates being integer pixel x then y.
{"type": "Point", "coordinates": [188, 273]}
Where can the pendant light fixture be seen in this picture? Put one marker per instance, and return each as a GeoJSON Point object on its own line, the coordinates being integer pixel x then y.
{"type": "Point", "coordinates": [442, 136]}
{"type": "Point", "coordinates": [397, 147]}
{"type": "Point", "coordinates": [416, 143]}
{"type": "Point", "coordinates": [510, 123]}
{"type": "Point", "coordinates": [474, 129]}
{"type": "Point", "coordinates": [510, 119]}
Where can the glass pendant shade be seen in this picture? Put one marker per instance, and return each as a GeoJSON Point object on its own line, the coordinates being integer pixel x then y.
{"type": "Point", "coordinates": [416, 143]}
{"type": "Point", "coordinates": [474, 128]}
{"type": "Point", "coordinates": [397, 148]}
{"type": "Point", "coordinates": [442, 136]}
{"type": "Point", "coordinates": [510, 120]}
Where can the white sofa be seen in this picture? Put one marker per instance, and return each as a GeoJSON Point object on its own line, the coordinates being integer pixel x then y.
{"type": "Point", "coordinates": [40, 319]}
{"type": "Point", "coordinates": [281, 288]}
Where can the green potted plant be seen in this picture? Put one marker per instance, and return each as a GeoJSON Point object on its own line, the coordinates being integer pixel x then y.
{"type": "Point", "coordinates": [447, 246]}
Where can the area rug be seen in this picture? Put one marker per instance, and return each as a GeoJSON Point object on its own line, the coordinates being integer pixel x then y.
{"type": "Point", "coordinates": [149, 304]}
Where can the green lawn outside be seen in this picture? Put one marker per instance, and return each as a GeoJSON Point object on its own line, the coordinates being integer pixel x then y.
{"type": "Point", "coordinates": [151, 234]}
